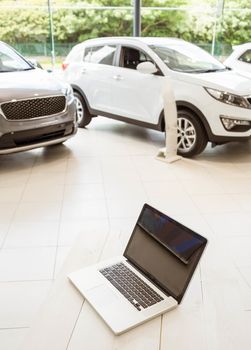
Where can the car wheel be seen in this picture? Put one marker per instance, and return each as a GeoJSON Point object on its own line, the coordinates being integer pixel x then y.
{"type": "Point", "coordinates": [192, 137]}
{"type": "Point", "coordinates": [83, 115]}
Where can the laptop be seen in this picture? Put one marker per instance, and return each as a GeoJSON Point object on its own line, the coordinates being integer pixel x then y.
{"type": "Point", "coordinates": [149, 279]}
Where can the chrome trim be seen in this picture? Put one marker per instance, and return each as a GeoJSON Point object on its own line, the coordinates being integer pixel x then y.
{"type": "Point", "coordinates": [33, 98]}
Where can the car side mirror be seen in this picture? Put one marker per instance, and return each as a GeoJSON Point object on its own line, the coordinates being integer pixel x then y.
{"type": "Point", "coordinates": [147, 68]}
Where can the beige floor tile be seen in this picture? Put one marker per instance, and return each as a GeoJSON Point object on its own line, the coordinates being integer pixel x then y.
{"type": "Point", "coordinates": [71, 229]}
{"type": "Point", "coordinates": [126, 189]}
{"type": "Point", "coordinates": [215, 203]}
{"type": "Point", "coordinates": [99, 180]}
{"type": "Point", "coordinates": [32, 234]}
{"type": "Point", "coordinates": [35, 211]}
{"type": "Point", "coordinates": [81, 192]}
{"type": "Point", "coordinates": [229, 224]}
{"type": "Point", "coordinates": [19, 302]}
{"type": "Point", "coordinates": [27, 264]}
{"type": "Point", "coordinates": [10, 339]}
{"type": "Point", "coordinates": [124, 208]}
{"type": "Point", "coordinates": [51, 193]}
{"type": "Point", "coordinates": [88, 209]}
{"type": "Point", "coordinates": [244, 201]}
{"type": "Point", "coordinates": [62, 253]}
{"type": "Point", "coordinates": [7, 211]}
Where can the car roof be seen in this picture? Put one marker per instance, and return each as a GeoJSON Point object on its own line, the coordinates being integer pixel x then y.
{"type": "Point", "coordinates": [129, 39]}
{"type": "Point", "coordinates": [242, 46]}
{"type": "Point", "coordinates": [238, 50]}
{"type": "Point", "coordinates": [3, 43]}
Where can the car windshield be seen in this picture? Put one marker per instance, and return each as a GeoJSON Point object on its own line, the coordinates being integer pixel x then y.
{"type": "Point", "coordinates": [187, 58]}
{"type": "Point", "coordinates": [10, 61]}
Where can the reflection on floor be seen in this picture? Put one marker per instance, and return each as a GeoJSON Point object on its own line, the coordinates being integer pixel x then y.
{"type": "Point", "coordinates": [100, 179]}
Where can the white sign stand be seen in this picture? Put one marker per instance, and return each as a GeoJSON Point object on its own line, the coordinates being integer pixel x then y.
{"type": "Point", "coordinates": [169, 153]}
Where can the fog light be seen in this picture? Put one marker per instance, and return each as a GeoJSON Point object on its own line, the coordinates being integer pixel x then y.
{"type": "Point", "coordinates": [229, 123]}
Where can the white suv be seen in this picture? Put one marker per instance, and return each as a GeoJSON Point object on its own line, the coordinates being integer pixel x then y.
{"type": "Point", "coordinates": [213, 102]}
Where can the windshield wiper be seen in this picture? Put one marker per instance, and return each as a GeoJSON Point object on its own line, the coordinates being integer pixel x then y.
{"type": "Point", "coordinates": [197, 71]}
{"type": "Point", "coordinates": [210, 70]}
{"type": "Point", "coordinates": [6, 71]}
{"type": "Point", "coordinates": [12, 70]}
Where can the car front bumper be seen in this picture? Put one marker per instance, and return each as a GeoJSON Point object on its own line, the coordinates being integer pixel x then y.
{"type": "Point", "coordinates": [25, 135]}
{"type": "Point", "coordinates": [42, 137]}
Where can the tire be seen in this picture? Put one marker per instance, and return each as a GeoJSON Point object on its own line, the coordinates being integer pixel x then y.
{"type": "Point", "coordinates": [82, 114]}
{"type": "Point", "coordinates": [192, 137]}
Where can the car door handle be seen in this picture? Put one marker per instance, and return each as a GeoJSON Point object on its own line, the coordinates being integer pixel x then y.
{"type": "Point", "coordinates": [118, 77]}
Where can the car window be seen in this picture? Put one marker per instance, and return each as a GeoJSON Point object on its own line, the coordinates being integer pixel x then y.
{"type": "Point", "coordinates": [10, 61]}
{"type": "Point", "coordinates": [187, 58]}
{"type": "Point", "coordinates": [131, 57]}
{"type": "Point", "coordinates": [75, 55]}
{"type": "Point", "coordinates": [246, 57]}
{"type": "Point", "coordinates": [100, 54]}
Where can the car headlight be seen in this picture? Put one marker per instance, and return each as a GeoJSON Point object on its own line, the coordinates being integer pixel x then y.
{"type": "Point", "coordinates": [231, 99]}
{"type": "Point", "coordinates": [68, 92]}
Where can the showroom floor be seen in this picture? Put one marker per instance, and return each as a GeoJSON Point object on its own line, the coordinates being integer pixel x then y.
{"type": "Point", "coordinates": [100, 179]}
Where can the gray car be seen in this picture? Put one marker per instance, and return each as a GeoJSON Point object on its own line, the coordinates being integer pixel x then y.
{"type": "Point", "coordinates": [36, 109]}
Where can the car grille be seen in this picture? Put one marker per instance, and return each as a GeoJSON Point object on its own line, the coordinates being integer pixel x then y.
{"type": "Point", "coordinates": [33, 108]}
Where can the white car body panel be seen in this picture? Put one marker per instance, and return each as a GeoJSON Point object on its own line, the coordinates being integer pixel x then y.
{"type": "Point", "coordinates": [136, 95]}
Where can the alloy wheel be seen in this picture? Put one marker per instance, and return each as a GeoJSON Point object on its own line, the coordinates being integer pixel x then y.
{"type": "Point", "coordinates": [186, 135]}
{"type": "Point", "coordinates": [80, 110]}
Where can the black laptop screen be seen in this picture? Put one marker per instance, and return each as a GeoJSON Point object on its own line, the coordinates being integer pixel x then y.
{"type": "Point", "coordinates": [178, 239]}
{"type": "Point", "coordinates": [165, 250]}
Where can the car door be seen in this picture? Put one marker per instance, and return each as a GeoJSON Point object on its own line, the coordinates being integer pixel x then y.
{"type": "Point", "coordinates": [135, 95]}
{"type": "Point", "coordinates": [93, 75]}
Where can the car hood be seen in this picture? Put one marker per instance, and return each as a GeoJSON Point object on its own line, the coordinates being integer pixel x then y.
{"type": "Point", "coordinates": [244, 73]}
{"type": "Point", "coordinates": [28, 84]}
{"type": "Point", "coordinates": [229, 81]}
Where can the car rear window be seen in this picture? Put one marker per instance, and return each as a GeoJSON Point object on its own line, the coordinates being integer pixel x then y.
{"type": "Point", "coordinates": [102, 54]}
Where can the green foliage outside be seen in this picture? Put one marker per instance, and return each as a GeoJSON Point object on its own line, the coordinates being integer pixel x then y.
{"type": "Point", "coordinates": [195, 24]}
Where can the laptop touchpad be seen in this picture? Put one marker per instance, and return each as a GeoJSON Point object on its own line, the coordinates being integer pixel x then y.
{"type": "Point", "coordinates": [103, 295]}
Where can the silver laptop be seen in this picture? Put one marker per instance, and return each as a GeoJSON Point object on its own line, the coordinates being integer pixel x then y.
{"type": "Point", "coordinates": [149, 279]}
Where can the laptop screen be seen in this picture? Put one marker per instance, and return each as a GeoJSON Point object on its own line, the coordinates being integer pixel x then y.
{"type": "Point", "coordinates": [164, 250]}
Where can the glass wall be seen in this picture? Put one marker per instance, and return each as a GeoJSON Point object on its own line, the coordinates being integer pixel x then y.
{"type": "Point", "coordinates": [215, 25]}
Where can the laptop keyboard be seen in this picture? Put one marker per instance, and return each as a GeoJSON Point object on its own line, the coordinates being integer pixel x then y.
{"type": "Point", "coordinates": [131, 286]}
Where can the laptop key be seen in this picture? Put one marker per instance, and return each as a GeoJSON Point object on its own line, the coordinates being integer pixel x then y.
{"type": "Point", "coordinates": [136, 291]}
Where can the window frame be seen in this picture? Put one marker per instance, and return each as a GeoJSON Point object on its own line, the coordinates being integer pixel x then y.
{"type": "Point", "coordinates": [119, 59]}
